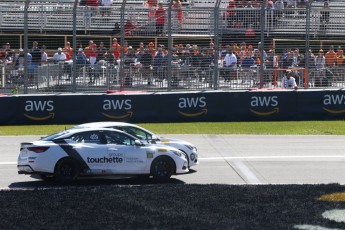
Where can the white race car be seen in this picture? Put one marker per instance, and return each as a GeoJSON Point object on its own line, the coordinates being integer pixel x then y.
{"type": "Point", "coordinates": [187, 148]}
{"type": "Point", "coordinates": [98, 151]}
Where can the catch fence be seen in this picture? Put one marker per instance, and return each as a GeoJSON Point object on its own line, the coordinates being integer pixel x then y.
{"type": "Point", "coordinates": [188, 51]}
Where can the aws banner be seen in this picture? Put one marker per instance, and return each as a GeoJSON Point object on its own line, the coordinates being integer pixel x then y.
{"type": "Point", "coordinates": [173, 107]}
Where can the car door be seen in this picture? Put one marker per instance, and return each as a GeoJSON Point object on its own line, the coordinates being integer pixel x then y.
{"type": "Point", "coordinates": [126, 157]}
{"type": "Point", "coordinates": [91, 147]}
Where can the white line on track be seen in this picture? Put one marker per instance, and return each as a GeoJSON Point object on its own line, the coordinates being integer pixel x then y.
{"type": "Point", "coordinates": [8, 163]}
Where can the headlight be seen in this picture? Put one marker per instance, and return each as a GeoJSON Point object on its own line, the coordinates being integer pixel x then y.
{"type": "Point", "coordinates": [177, 153]}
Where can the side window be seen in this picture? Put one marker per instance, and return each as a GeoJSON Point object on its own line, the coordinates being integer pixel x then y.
{"type": "Point", "coordinates": [88, 137]}
{"type": "Point", "coordinates": [118, 138]}
{"type": "Point", "coordinates": [138, 133]}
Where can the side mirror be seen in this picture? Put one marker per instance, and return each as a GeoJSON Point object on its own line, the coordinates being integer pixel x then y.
{"type": "Point", "coordinates": [155, 138]}
{"type": "Point", "coordinates": [138, 143]}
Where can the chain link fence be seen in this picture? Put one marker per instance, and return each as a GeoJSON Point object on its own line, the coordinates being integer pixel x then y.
{"type": "Point", "coordinates": [169, 46]}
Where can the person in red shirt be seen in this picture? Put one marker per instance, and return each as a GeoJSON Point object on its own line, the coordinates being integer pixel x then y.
{"type": "Point", "coordinates": [129, 28]}
{"type": "Point", "coordinates": [160, 18]}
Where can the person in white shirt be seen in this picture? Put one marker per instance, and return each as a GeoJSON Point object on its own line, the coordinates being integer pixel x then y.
{"type": "Point", "coordinates": [230, 63]}
{"type": "Point", "coordinates": [289, 82]}
{"type": "Point", "coordinates": [59, 56]}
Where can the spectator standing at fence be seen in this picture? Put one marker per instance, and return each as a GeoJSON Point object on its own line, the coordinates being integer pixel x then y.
{"type": "Point", "coordinates": [287, 62]}
{"type": "Point", "coordinates": [288, 81]}
{"type": "Point", "coordinates": [106, 7]}
{"type": "Point", "coordinates": [59, 56]}
{"type": "Point", "coordinates": [101, 49]}
{"type": "Point", "coordinates": [146, 62]}
{"type": "Point", "coordinates": [116, 48]}
{"type": "Point", "coordinates": [320, 60]}
{"type": "Point", "coordinates": [330, 57]}
{"type": "Point", "coordinates": [80, 61]}
{"type": "Point", "coordinates": [87, 49]}
{"type": "Point", "coordinates": [340, 64]}
{"type": "Point", "coordinates": [44, 55]}
{"type": "Point", "coordinates": [177, 7]}
{"type": "Point", "coordinates": [230, 64]}
{"type": "Point", "coordinates": [160, 19]}
{"type": "Point", "coordinates": [36, 58]}
{"type": "Point", "coordinates": [68, 50]}
{"type": "Point", "coordinates": [312, 64]}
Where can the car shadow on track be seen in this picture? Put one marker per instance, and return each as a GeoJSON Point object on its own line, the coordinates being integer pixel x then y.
{"type": "Point", "coordinates": [88, 181]}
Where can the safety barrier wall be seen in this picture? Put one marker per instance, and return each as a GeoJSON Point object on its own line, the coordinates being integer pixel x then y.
{"type": "Point", "coordinates": [178, 107]}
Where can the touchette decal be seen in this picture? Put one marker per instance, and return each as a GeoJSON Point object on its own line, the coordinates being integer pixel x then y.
{"type": "Point", "coordinates": [192, 106]}
{"type": "Point", "coordinates": [117, 109]}
{"type": "Point", "coordinates": [334, 104]}
{"type": "Point", "coordinates": [39, 110]}
{"type": "Point", "coordinates": [264, 106]}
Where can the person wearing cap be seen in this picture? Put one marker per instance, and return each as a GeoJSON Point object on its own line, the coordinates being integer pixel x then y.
{"type": "Point", "coordinates": [60, 58]}
{"type": "Point", "coordinates": [288, 81]}
{"type": "Point", "coordinates": [116, 48]}
{"type": "Point", "coordinates": [80, 61]}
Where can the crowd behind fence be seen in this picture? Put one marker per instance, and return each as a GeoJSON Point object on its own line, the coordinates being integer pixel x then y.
{"type": "Point", "coordinates": [205, 46]}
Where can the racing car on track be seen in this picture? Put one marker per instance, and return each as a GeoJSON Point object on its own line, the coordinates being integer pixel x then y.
{"type": "Point", "coordinates": [187, 148]}
{"type": "Point", "coordinates": [66, 155]}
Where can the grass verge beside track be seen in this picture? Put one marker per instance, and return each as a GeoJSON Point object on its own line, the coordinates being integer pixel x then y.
{"type": "Point", "coordinates": [173, 206]}
{"type": "Point", "coordinates": [254, 128]}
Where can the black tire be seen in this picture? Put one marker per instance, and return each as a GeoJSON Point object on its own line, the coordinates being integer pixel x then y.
{"type": "Point", "coordinates": [46, 177]}
{"type": "Point", "coordinates": [66, 170]}
{"type": "Point", "coordinates": [162, 168]}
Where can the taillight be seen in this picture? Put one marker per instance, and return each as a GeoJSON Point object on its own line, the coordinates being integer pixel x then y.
{"type": "Point", "coordinates": [38, 149]}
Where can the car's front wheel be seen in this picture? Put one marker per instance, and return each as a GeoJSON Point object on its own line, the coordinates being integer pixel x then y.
{"type": "Point", "coordinates": [66, 170]}
{"type": "Point", "coordinates": [162, 168]}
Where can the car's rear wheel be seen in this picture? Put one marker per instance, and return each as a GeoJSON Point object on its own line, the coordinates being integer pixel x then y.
{"type": "Point", "coordinates": [162, 168]}
{"type": "Point", "coordinates": [66, 170]}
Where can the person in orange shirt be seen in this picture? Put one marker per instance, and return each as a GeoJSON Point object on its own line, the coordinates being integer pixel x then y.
{"type": "Point", "coordinates": [68, 51]}
{"type": "Point", "coordinates": [330, 57]}
{"type": "Point", "coordinates": [152, 49]}
{"type": "Point", "coordinates": [116, 48]}
{"type": "Point", "coordinates": [87, 49]}
{"type": "Point", "coordinates": [340, 63]}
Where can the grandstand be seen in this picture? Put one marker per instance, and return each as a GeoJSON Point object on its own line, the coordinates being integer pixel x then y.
{"type": "Point", "coordinates": [52, 24]}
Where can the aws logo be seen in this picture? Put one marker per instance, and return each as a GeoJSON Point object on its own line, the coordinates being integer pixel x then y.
{"type": "Point", "coordinates": [39, 110]}
{"type": "Point", "coordinates": [192, 107]}
{"type": "Point", "coordinates": [117, 109]}
{"type": "Point", "coordinates": [257, 103]}
{"type": "Point", "coordinates": [334, 101]}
